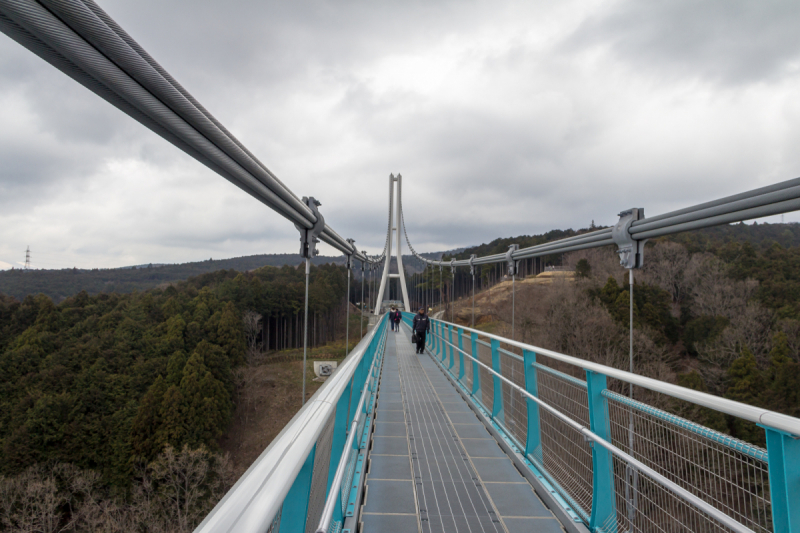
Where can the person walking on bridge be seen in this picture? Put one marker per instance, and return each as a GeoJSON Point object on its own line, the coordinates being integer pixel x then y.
{"type": "Point", "coordinates": [394, 319]}
{"type": "Point", "coordinates": [421, 326]}
{"type": "Point", "coordinates": [398, 316]}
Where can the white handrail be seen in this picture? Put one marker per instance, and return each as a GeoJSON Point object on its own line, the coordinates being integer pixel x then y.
{"type": "Point", "coordinates": [252, 503]}
{"type": "Point", "coordinates": [758, 415]}
{"type": "Point", "coordinates": [697, 502]}
{"type": "Point", "coordinates": [333, 492]}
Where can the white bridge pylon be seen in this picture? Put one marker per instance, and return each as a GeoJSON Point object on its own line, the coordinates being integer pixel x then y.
{"type": "Point", "coordinates": [394, 235]}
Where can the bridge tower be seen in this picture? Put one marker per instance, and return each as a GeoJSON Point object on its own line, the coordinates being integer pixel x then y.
{"type": "Point", "coordinates": [395, 183]}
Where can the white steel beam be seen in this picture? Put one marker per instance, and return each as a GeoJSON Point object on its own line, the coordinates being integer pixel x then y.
{"type": "Point", "coordinates": [394, 235]}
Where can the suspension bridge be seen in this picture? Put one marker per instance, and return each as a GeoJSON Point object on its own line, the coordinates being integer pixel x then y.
{"type": "Point", "coordinates": [482, 432]}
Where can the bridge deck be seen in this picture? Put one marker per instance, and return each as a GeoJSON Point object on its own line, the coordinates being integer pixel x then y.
{"type": "Point", "coordinates": [433, 467]}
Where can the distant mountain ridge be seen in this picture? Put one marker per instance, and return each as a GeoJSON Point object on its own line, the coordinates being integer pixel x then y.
{"type": "Point", "coordinates": [63, 283]}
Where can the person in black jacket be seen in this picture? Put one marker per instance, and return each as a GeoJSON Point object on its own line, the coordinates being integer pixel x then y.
{"type": "Point", "coordinates": [394, 319]}
{"type": "Point", "coordinates": [421, 326]}
{"type": "Point", "coordinates": [398, 316]}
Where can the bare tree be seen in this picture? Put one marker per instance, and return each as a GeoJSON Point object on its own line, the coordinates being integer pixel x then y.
{"type": "Point", "coordinates": [665, 267]}
{"type": "Point", "coordinates": [604, 262]}
{"type": "Point", "coordinates": [791, 328]}
{"type": "Point", "coordinates": [252, 327]}
{"type": "Point", "coordinates": [713, 292]}
{"type": "Point", "coordinates": [31, 501]}
{"type": "Point", "coordinates": [181, 480]}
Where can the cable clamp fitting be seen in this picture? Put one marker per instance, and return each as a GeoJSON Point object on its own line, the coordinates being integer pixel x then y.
{"type": "Point", "coordinates": [630, 251]}
{"type": "Point", "coordinates": [309, 238]}
{"type": "Point", "coordinates": [512, 265]}
{"type": "Point", "coordinates": [349, 263]}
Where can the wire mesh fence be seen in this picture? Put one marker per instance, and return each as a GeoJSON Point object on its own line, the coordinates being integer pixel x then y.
{"type": "Point", "coordinates": [729, 474]}
{"type": "Point", "coordinates": [467, 342]}
{"type": "Point", "coordinates": [487, 381]}
{"type": "Point", "coordinates": [515, 405]}
{"type": "Point", "coordinates": [565, 454]}
{"type": "Point", "coordinates": [645, 505]}
{"type": "Point", "coordinates": [347, 481]}
{"type": "Point", "coordinates": [319, 476]}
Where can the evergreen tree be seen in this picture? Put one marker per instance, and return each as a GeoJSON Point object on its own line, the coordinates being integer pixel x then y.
{"type": "Point", "coordinates": [206, 402]}
{"type": "Point", "coordinates": [173, 427]}
{"type": "Point", "coordinates": [783, 394]}
{"type": "Point", "coordinates": [583, 269]}
{"type": "Point", "coordinates": [148, 421]}
{"type": "Point", "coordinates": [746, 386]}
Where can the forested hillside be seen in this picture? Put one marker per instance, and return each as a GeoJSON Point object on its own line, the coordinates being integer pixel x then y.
{"type": "Point", "coordinates": [120, 391]}
{"type": "Point", "coordinates": [705, 240]}
{"type": "Point", "coordinates": [107, 399]}
{"type": "Point", "coordinates": [717, 310]}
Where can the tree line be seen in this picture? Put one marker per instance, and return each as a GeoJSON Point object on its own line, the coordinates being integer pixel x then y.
{"type": "Point", "coordinates": [714, 310]}
{"type": "Point", "coordinates": [103, 386]}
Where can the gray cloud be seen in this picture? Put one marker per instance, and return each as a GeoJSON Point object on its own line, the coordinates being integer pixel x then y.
{"type": "Point", "coordinates": [729, 42]}
{"type": "Point", "coordinates": [503, 117]}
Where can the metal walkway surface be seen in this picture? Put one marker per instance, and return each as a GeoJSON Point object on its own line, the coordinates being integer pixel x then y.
{"type": "Point", "coordinates": [433, 466]}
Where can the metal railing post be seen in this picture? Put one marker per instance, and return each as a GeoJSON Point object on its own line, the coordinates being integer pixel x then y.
{"type": "Point", "coordinates": [434, 339]}
{"type": "Point", "coordinates": [460, 354]}
{"type": "Point", "coordinates": [533, 443]}
{"type": "Point", "coordinates": [295, 506]}
{"type": "Point", "coordinates": [476, 375]}
{"type": "Point", "coordinates": [604, 510]}
{"type": "Point", "coordinates": [498, 412]}
{"type": "Point", "coordinates": [442, 346]}
{"type": "Point", "coordinates": [429, 338]}
{"type": "Point", "coordinates": [783, 453]}
{"type": "Point", "coordinates": [452, 355]}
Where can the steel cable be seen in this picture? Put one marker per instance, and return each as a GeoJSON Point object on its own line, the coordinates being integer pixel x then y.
{"type": "Point", "coordinates": [81, 40]}
{"type": "Point", "coordinates": [775, 199]}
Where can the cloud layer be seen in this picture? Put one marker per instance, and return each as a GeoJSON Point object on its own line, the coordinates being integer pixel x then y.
{"type": "Point", "coordinates": [503, 117]}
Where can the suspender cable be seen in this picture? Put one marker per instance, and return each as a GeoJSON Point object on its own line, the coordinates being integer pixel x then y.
{"type": "Point", "coordinates": [84, 42]}
{"type": "Point", "coordinates": [363, 277]}
{"type": "Point", "coordinates": [305, 331]}
{"type": "Point", "coordinates": [347, 314]}
{"type": "Point", "coordinates": [513, 302]}
{"type": "Point", "coordinates": [631, 473]}
{"type": "Point", "coordinates": [452, 288]}
{"type": "Point", "coordinates": [441, 289]}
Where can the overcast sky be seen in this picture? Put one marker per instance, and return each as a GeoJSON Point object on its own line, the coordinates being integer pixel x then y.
{"type": "Point", "coordinates": [504, 118]}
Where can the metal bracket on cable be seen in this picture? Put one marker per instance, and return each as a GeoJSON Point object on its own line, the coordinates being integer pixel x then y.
{"type": "Point", "coordinates": [512, 264]}
{"type": "Point", "coordinates": [309, 238]}
{"type": "Point", "coordinates": [349, 263]}
{"type": "Point", "coordinates": [630, 251]}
